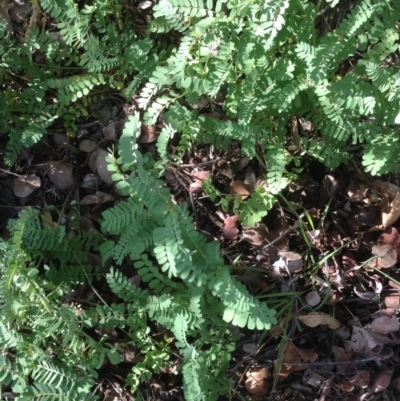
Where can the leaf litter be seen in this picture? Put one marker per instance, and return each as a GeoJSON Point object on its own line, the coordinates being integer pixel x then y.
{"type": "Point", "coordinates": [327, 260]}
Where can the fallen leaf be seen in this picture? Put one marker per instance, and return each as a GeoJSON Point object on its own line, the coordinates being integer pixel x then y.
{"type": "Point", "coordinates": [199, 177]}
{"type": "Point", "coordinates": [292, 260]}
{"type": "Point", "coordinates": [385, 324]}
{"type": "Point", "coordinates": [87, 146]}
{"type": "Point", "coordinates": [238, 187]}
{"type": "Point", "coordinates": [97, 198]}
{"type": "Point", "coordinates": [380, 381]}
{"type": "Point", "coordinates": [393, 213]}
{"type": "Point", "coordinates": [315, 237]}
{"type": "Point", "coordinates": [342, 356]}
{"type": "Point", "coordinates": [331, 185]}
{"type": "Point", "coordinates": [230, 229]}
{"type": "Point", "coordinates": [148, 134]}
{"type": "Point", "coordinates": [347, 386]}
{"type": "Point", "coordinates": [61, 176]}
{"type": "Point", "coordinates": [361, 379]}
{"type": "Point", "coordinates": [314, 319]}
{"type": "Point", "coordinates": [393, 301]}
{"type": "Point", "coordinates": [257, 384]}
{"type": "Point", "coordinates": [295, 359]}
{"type": "Point", "coordinates": [396, 384]}
{"type": "Point", "coordinates": [313, 298]}
{"type": "Point", "coordinates": [249, 348]}
{"type": "Point", "coordinates": [255, 235]}
{"type": "Point", "coordinates": [386, 255]}
{"type": "Point", "coordinates": [25, 185]}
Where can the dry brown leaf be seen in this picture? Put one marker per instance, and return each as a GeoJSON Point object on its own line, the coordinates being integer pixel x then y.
{"type": "Point", "coordinates": [361, 379]}
{"type": "Point", "coordinates": [230, 229]}
{"type": "Point", "coordinates": [238, 187]}
{"type": "Point", "coordinates": [61, 176]}
{"type": "Point", "coordinates": [385, 324]}
{"type": "Point", "coordinates": [257, 384]}
{"type": "Point", "coordinates": [25, 185]}
{"type": "Point", "coordinates": [342, 357]}
{"type": "Point", "coordinates": [314, 319]}
{"type": "Point", "coordinates": [381, 381]}
{"type": "Point", "coordinates": [295, 359]}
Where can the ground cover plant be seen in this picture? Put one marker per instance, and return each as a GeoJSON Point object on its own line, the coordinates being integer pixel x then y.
{"type": "Point", "coordinates": [107, 102]}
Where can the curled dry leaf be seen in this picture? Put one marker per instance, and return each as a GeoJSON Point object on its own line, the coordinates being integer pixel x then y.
{"type": "Point", "coordinates": [61, 176]}
{"type": "Point", "coordinates": [25, 185]}
{"type": "Point", "coordinates": [230, 229]}
{"type": "Point", "coordinates": [257, 384]}
{"type": "Point", "coordinates": [381, 381]}
{"type": "Point", "coordinates": [314, 319]}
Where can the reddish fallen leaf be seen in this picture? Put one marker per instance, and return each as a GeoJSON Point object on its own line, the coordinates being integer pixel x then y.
{"type": "Point", "coordinates": [380, 382]}
{"type": "Point", "coordinates": [230, 229]}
